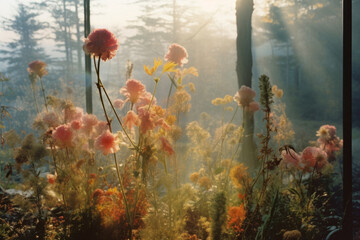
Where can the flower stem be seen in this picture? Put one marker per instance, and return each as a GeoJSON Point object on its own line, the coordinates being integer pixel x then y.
{"type": "Point", "coordinates": [99, 84]}
{"type": "Point", "coordinates": [36, 105]}
{"type": "Point", "coordinates": [43, 92]}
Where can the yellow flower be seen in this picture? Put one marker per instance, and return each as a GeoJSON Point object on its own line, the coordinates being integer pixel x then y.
{"type": "Point", "coordinates": [157, 63]}
{"type": "Point", "coordinates": [169, 67]}
{"type": "Point", "coordinates": [194, 177]}
{"type": "Point", "coordinates": [192, 87]}
{"type": "Point", "coordinates": [204, 182]}
{"type": "Point", "coordinates": [238, 174]}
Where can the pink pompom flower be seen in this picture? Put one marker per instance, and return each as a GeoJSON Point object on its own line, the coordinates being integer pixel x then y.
{"type": "Point", "coordinates": [63, 136]}
{"type": "Point", "coordinates": [38, 68]}
{"type": "Point", "coordinates": [177, 54]}
{"type": "Point", "coordinates": [101, 42]}
{"type": "Point", "coordinates": [107, 143]}
{"type": "Point", "coordinates": [253, 107]}
{"type": "Point", "coordinates": [244, 96]}
{"type": "Point", "coordinates": [133, 90]}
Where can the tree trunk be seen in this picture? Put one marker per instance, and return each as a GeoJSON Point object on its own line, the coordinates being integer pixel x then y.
{"type": "Point", "coordinates": [244, 10]}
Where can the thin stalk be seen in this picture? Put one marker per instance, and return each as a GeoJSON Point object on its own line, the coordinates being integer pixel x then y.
{"type": "Point", "coordinates": [43, 92]}
{"type": "Point", "coordinates": [36, 104]}
{"type": "Point", "coordinates": [99, 84]}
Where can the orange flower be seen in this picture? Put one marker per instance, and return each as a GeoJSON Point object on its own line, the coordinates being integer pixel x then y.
{"type": "Point", "coordinates": [101, 43]}
{"type": "Point", "coordinates": [37, 67]}
{"type": "Point", "coordinates": [236, 218]}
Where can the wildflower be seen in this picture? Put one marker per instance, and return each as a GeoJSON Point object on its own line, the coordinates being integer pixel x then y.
{"type": "Point", "coordinates": [204, 182]}
{"type": "Point", "coordinates": [244, 96]}
{"type": "Point", "coordinates": [51, 119]}
{"type": "Point", "coordinates": [145, 100]}
{"type": "Point", "coordinates": [290, 159]}
{"type": "Point", "coordinates": [119, 103]}
{"type": "Point", "coordinates": [131, 119]}
{"type": "Point", "coordinates": [101, 43]}
{"type": "Point", "coordinates": [238, 174]}
{"type": "Point", "coordinates": [51, 178]}
{"type": "Point", "coordinates": [194, 177]}
{"type": "Point", "coordinates": [237, 216]}
{"type": "Point", "coordinates": [133, 90]}
{"type": "Point", "coordinates": [147, 122]}
{"type": "Point", "coordinates": [177, 54]}
{"type": "Point", "coordinates": [253, 107]}
{"type": "Point", "coordinates": [92, 178]}
{"type": "Point", "coordinates": [191, 87]}
{"type": "Point", "coordinates": [73, 113]}
{"type": "Point", "coordinates": [107, 143]}
{"type": "Point", "coordinates": [98, 193]}
{"type": "Point", "coordinates": [38, 68]}
{"type": "Point", "coordinates": [313, 157]}
{"type": "Point", "coordinates": [63, 135]}
{"type": "Point", "coordinates": [76, 124]}
{"type": "Point", "coordinates": [181, 101]}
{"type": "Point", "coordinates": [277, 92]}
{"type": "Point", "coordinates": [89, 122]}
{"type": "Point", "coordinates": [165, 145]}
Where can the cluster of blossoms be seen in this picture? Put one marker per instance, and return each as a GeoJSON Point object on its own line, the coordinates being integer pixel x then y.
{"type": "Point", "coordinates": [245, 98]}
{"type": "Point", "coordinates": [315, 157]}
{"type": "Point", "coordinates": [311, 158]}
{"type": "Point", "coordinates": [328, 140]}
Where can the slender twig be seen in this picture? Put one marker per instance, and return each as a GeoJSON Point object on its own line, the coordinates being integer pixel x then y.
{"type": "Point", "coordinates": [43, 92]}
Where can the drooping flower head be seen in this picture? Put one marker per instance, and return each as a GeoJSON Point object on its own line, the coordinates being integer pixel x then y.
{"type": "Point", "coordinates": [131, 119]}
{"type": "Point", "coordinates": [313, 157]}
{"type": "Point", "coordinates": [177, 54]}
{"type": "Point", "coordinates": [133, 90]}
{"type": "Point", "coordinates": [38, 68]}
{"type": "Point", "coordinates": [63, 135]}
{"type": "Point", "coordinates": [101, 42]}
{"type": "Point", "coordinates": [244, 96]}
{"type": "Point", "coordinates": [107, 143]}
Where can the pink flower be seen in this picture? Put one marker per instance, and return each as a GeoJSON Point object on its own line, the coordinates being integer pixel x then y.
{"type": "Point", "coordinates": [107, 143]}
{"type": "Point", "coordinates": [176, 54]}
{"type": "Point", "coordinates": [89, 122]}
{"type": "Point", "coordinates": [290, 159]}
{"type": "Point", "coordinates": [101, 127]}
{"type": "Point", "coordinates": [51, 119]}
{"type": "Point", "coordinates": [147, 122]}
{"type": "Point", "coordinates": [63, 136]}
{"type": "Point", "coordinates": [119, 103]}
{"type": "Point", "coordinates": [51, 178]}
{"type": "Point", "coordinates": [131, 119]}
{"type": "Point", "coordinates": [76, 124]}
{"type": "Point", "coordinates": [133, 90]}
{"type": "Point", "coordinates": [165, 145]}
{"type": "Point", "coordinates": [37, 67]}
{"type": "Point", "coordinates": [101, 42]}
{"type": "Point", "coordinates": [73, 113]}
{"type": "Point", "coordinates": [313, 157]}
{"type": "Point", "coordinates": [145, 99]}
{"type": "Point", "coordinates": [253, 107]}
{"type": "Point", "coordinates": [244, 96]}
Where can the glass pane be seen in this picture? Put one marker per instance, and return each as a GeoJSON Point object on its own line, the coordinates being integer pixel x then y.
{"type": "Point", "coordinates": [211, 119]}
